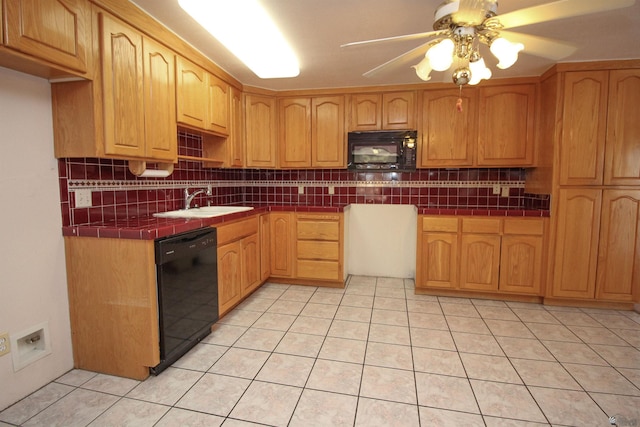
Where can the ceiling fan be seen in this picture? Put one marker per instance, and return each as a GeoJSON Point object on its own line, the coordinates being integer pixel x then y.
{"type": "Point", "coordinates": [462, 26]}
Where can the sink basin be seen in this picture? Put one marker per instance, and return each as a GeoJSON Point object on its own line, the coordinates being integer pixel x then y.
{"type": "Point", "coordinates": [203, 212]}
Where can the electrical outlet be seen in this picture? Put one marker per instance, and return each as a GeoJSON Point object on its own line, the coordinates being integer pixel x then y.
{"type": "Point", "coordinates": [5, 346]}
{"type": "Point", "coordinates": [496, 188]}
{"type": "Point", "coordinates": [300, 189]}
{"type": "Point", "coordinates": [332, 189]}
{"type": "Point", "coordinates": [505, 191]}
{"type": "Point", "coordinates": [83, 198]}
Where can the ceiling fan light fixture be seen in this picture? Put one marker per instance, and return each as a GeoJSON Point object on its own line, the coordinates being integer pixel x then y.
{"type": "Point", "coordinates": [441, 55]}
{"type": "Point", "coordinates": [505, 51]}
{"type": "Point", "coordinates": [263, 49]}
{"type": "Point", "coordinates": [423, 69]}
{"type": "Point", "coordinates": [479, 70]}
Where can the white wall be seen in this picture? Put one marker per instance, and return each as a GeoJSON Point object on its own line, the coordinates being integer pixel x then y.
{"type": "Point", "coordinates": [382, 240]}
{"type": "Point", "coordinates": [33, 283]}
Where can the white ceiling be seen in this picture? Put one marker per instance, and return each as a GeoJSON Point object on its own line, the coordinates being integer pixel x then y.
{"type": "Point", "coordinates": [317, 28]}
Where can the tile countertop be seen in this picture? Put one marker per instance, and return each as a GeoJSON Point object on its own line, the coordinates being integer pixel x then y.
{"type": "Point", "coordinates": [150, 227]}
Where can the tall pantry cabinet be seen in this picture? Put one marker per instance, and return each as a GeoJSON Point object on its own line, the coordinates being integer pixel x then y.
{"type": "Point", "coordinates": [596, 187]}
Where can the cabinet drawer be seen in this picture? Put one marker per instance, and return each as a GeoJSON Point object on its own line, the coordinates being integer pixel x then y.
{"type": "Point", "coordinates": [237, 230]}
{"type": "Point", "coordinates": [318, 250]}
{"type": "Point", "coordinates": [533, 227]}
{"type": "Point", "coordinates": [481, 225]}
{"type": "Point", "coordinates": [318, 230]}
{"type": "Point", "coordinates": [438, 223]}
{"type": "Point", "coordinates": [322, 270]}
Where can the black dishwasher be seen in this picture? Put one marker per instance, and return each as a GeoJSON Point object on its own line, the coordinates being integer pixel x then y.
{"type": "Point", "coordinates": [187, 280]}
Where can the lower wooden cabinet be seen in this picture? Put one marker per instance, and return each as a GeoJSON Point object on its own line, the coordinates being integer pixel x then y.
{"type": "Point", "coordinates": [597, 245]}
{"type": "Point", "coordinates": [491, 255]}
{"type": "Point", "coordinates": [282, 226]}
{"type": "Point", "coordinates": [239, 271]}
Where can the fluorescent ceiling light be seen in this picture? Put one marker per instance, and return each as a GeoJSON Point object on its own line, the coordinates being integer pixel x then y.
{"type": "Point", "coordinates": [245, 28]}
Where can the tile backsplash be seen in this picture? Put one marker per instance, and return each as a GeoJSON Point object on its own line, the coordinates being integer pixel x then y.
{"type": "Point", "coordinates": [118, 194]}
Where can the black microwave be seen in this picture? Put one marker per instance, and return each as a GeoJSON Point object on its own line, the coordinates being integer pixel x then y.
{"type": "Point", "coordinates": [386, 150]}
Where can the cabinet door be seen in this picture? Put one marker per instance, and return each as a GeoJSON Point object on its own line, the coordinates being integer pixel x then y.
{"type": "Point", "coordinates": [123, 88]}
{"type": "Point", "coordinates": [438, 261]}
{"type": "Point", "coordinates": [448, 135]}
{"type": "Point", "coordinates": [618, 272]}
{"type": "Point", "coordinates": [295, 133]}
{"type": "Point", "coordinates": [265, 247]}
{"type": "Point", "coordinates": [58, 31]}
{"type": "Point", "coordinates": [521, 264]}
{"type": "Point", "coordinates": [327, 132]}
{"type": "Point", "coordinates": [399, 110]}
{"type": "Point", "coordinates": [576, 248]}
{"type": "Point", "coordinates": [366, 112]}
{"type": "Point", "coordinates": [235, 142]}
{"type": "Point", "coordinates": [479, 262]}
{"type": "Point", "coordinates": [260, 131]}
{"type": "Point", "coordinates": [622, 155]}
{"type": "Point", "coordinates": [583, 128]}
{"type": "Point", "coordinates": [217, 105]}
{"type": "Point", "coordinates": [506, 125]}
{"type": "Point", "coordinates": [229, 276]}
{"type": "Point", "coordinates": [191, 94]}
{"type": "Point", "coordinates": [159, 102]}
{"type": "Point", "coordinates": [282, 244]}
{"type": "Point", "coordinates": [250, 248]}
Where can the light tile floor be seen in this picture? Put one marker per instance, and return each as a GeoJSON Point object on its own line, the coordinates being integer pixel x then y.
{"type": "Point", "coordinates": [373, 354]}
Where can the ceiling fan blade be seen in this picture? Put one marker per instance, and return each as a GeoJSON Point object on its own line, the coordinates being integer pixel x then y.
{"type": "Point", "coordinates": [406, 58]}
{"type": "Point", "coordinates": [559, 10]}
{"type": "Point", "coordinates": [397, 38]}
{"type": "Point", "coordinates": [541, 46]}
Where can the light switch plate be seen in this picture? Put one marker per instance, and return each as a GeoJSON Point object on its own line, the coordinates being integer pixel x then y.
{"type": "Point", "coordinates": [505, 191]}
{"type": "Point", "coordinates": [300, 189]}
{"type": "Point", "coordinates": [83, 198]}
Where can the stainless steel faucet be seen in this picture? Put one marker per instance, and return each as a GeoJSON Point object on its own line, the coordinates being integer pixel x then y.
{"type": "Point", "coordinates": [188, 198]}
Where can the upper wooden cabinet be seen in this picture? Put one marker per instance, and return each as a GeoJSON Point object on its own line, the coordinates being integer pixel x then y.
{"type": "Point", "coordinates": [203, 99]}
{"type": "Point", "coordinates": [311, 132]}
{"type": "Point", "coordinates": [235, 142]}
{"type": "Point", "coordinates": [601, 131]}
{"type": "Point", "coordinates": [260, 131]}
{"type": "Point", "coordinates": [506, 116]}
{"type": "Point", "coordinates": [448, 135]}
{"type": "Point", "coordinates": [128, 111]}
{"type": "Point", "coordinates": [622, 153]}
{"type": "Point", "coordinates": [584, 124]}
{"type": "Point", "coordinates": [375, 111]}
{"type": "Point", "coordinates": [56, 31]}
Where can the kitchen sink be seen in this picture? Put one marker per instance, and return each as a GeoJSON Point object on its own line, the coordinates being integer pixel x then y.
{"type": "Point", "coordinates": [202, 212]}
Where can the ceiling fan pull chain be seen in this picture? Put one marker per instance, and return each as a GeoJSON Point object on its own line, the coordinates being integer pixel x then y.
{"type": "Point", "coordinates": [459, 102]}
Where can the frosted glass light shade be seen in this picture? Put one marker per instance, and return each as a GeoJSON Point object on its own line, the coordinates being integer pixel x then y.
{"type": "Point", "coordinates": [441, 55]}
{"type": "Point", "coordinates": [505, 51]}
{"type": "Point", "coordinates": [479, 71]}
{"type": "Point", "coordinates": [423, 69]}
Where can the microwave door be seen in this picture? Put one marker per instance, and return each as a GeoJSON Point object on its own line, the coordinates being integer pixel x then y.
{"type": "Point", "coordinates": [375, 154]}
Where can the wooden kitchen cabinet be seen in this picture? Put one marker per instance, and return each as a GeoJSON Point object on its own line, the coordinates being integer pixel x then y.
{"type": "Point", "coordinates": [576, 249]}
{"type": "Point", "coordinates": [260, 131]}
{"type": "Point", "coordinates": [506, 119]}
{"type": "Point", "coordinates": [282, 235]}
{"type": "Point", "coordinates": [217, 105]}
{"type": "Point", "coordinates": [265, 247]}
{"type": "Point", "coordinates": [448, 135]}
{"type": "Point", "coordinates": [311, 132]}
{"type": "Point", "coordinates": [238, 261]}
{"type": "Point", "coordinates": [235, 141]}
{"type": "Point", "coordinates": [496, 256]}
{"type": "Point", "coordinates": [437, 253]}
{"type": "Point", "coordinates": [319, 251]}
{"type": "Point", "coordinates": [618, 265]}
{"type": "Point", "coordinates": [480, 254]}
{"type": "Point", "coordinates": [55, 31]}
{"type": "Point", "coordinates": [378, 111]}
{"type": "Point", "coordinates": [127, 112]}
{"type": "Point", "coordinates": [113, 299]}
{"type": "Point", "coordinates": [622, 149]}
